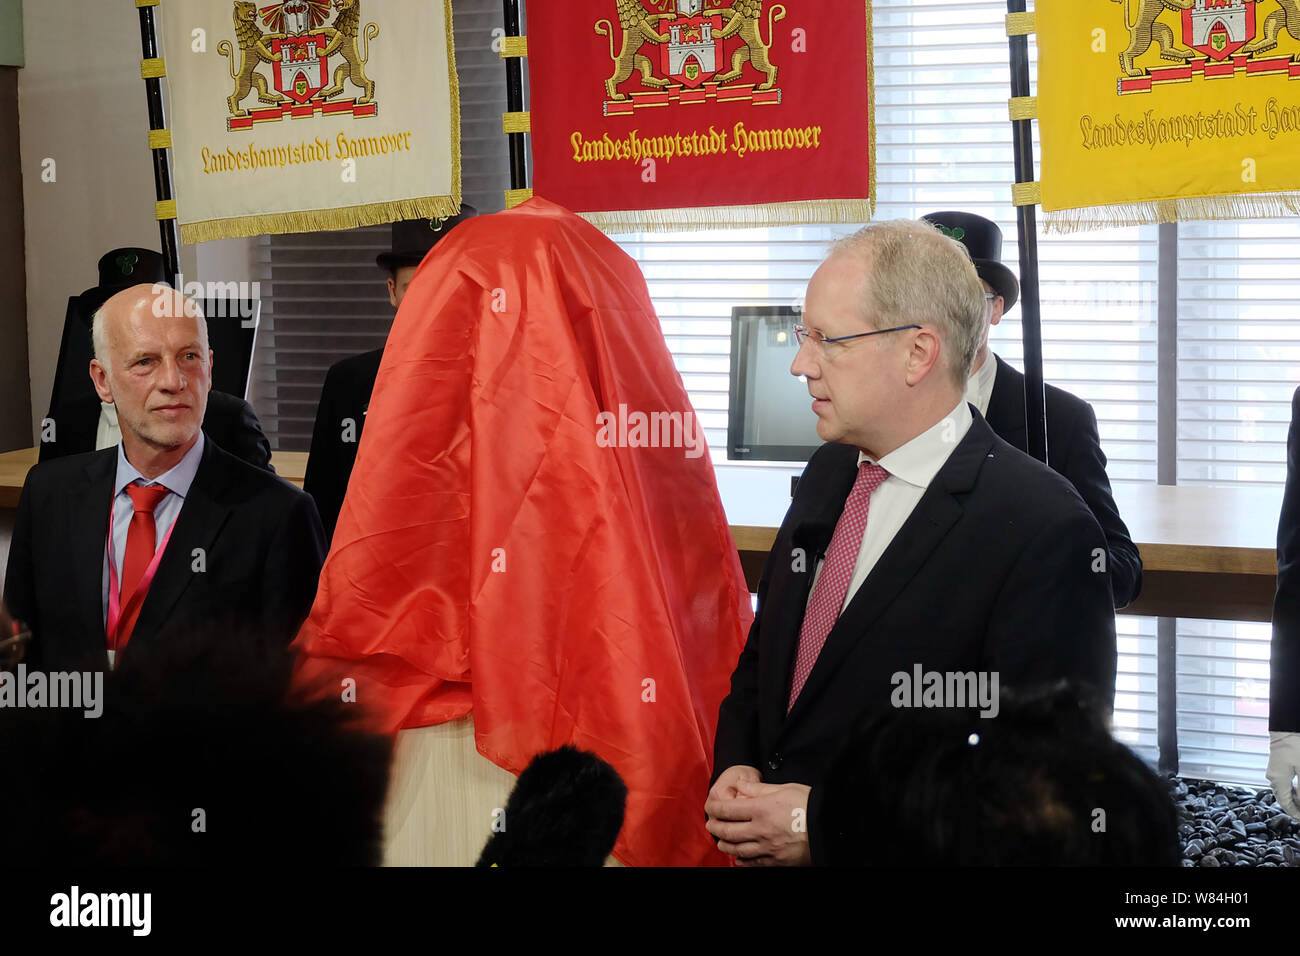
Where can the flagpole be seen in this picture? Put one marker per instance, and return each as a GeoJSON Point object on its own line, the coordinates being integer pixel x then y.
{"type": "Point", "coordinates": [515, 100]}
{"type": "Point", "coordinates": [1026, 222]}
{"type": "Point", "coordinates": [162, 177]}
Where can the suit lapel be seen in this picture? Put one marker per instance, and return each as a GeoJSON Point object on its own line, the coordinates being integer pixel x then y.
{"type": "Point", "coordinates": [820, 508]}
{"type": "Point", "coordinates": [1006, 414]}
{"type": "Point", "coordinates": [923, 531]}
{"type": "Point", "coordinates": [202, 518]}
{"type": "Point", "coordinates": [89, 545]}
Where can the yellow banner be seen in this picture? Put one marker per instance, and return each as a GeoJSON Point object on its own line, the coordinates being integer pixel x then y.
{"type": "Point", "coordinates": [1160, 110]}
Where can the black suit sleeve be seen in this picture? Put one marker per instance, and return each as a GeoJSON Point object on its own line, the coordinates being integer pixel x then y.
{"type": "Point", "coordinates": [1054, 618]}
{"type": "Point", "coordinates": [253, 445]}
{"type": "Point", "coordinates": [293, 563]}
{"type": "Point", "coordinates": [1086, 470]}
{"type": "Point", "coordinates": [736, 741]}
{"type": "Point", "coordinates": [1284, 705]}
{"type": "Point", "coordinates": [322, 480]}
{"type": "Point", "coordinates": [233, 425]}
{"type": "Point", "coordinates": [20, 584]}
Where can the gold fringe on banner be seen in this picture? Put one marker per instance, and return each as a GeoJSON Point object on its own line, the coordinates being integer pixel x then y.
{"type": "Point", "coordinates": [513, 46]}
{"type": "Point", "coordinates": [1239, 206]}
{"type": "Point", "coordinates": [733, 217]}
{"type": "Point", "coordinates": [871, 125]}
{"type": "Point", "coordinates": [315, 220]}
{"type": "Point", "coordinates": [160, 139]}
{"type": "Point", "coordinates": [152, 68]}
{"type": "Point", "coordinates": [453, 95]}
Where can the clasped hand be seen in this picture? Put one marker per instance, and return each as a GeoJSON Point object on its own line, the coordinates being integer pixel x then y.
{"type": "Point", "coordinates": [760, 824]}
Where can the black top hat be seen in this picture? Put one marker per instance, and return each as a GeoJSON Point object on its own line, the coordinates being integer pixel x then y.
{"type": "Point", "coordinates": [120, 269]}
{"type": "Point", "coordinates": [983, 240]}
{"type": "Point", "coordinates": [413, 238]}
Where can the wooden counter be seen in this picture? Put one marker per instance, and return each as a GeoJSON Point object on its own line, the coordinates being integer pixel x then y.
{"type": "Point", "coordinates": [14, 465]}
{"type": "Point", "coordinates": [1207, 552]}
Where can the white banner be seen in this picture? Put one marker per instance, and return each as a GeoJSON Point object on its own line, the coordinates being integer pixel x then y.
{"type": "Point", "coordinates": [310, 114]}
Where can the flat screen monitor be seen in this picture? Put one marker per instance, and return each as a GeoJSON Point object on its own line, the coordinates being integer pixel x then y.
{"type": "Point", "coordinates": [770, 416]}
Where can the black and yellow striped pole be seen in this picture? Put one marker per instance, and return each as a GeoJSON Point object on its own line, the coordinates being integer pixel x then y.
{"type": "Point", "coordinates": [1023, 111]}
{"type": "Point", "coordinates": [152, 70]}
{"type": "Point", "coordinates": [515, 122]}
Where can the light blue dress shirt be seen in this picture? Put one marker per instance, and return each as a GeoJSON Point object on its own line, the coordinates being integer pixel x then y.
{"type": "Point", "coordinates": [177, 481]}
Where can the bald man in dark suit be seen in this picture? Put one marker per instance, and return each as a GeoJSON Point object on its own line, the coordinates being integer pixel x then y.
{"type": "Point", "coordinates": [114, 548]}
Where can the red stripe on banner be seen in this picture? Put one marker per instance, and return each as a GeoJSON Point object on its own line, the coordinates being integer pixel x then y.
{"type": "Point", "coordinates": [1142, 85]}
{"type": "Point", "coordinates": [1275, 64]}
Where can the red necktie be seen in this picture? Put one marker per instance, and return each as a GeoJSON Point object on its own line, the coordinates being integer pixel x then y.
{"type": "Point", "coordinates": [141, 542]}
{"type": "Point", "coordinates": [836, 575]}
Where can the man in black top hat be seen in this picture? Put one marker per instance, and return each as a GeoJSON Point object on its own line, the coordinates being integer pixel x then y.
{"type": "Point", "coordinates": [998, 391]}
{"type": "Point", "coordinates": [83, 423]}
{"type": "Point", "coordinates": [344, 398]}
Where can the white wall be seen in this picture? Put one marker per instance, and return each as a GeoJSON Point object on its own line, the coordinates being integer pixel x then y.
{"type": "Point", "coordinates": [81, 102]}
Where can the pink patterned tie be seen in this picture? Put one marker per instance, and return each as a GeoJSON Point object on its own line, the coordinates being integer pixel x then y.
{"type": "Point", "coordinates": [836, 575]}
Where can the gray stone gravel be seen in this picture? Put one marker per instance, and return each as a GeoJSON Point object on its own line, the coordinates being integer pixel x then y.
{"type": "Point", "coordinates": [1225, 825]}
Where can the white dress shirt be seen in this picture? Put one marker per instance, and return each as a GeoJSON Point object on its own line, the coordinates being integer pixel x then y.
{"type": "Point", "coordinates": [177, 481]}
{"type": "Point", "coordinates": [979, 387]}
{"type": "Point", "coordinates": [911, 466]}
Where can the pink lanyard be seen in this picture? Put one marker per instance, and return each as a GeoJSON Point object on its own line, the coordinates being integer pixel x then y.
{"type": "Point", "coordinates": [115, 608]}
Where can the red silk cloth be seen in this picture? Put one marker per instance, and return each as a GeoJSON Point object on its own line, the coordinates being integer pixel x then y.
{"type": "Point", "coordinates": [493, 555]}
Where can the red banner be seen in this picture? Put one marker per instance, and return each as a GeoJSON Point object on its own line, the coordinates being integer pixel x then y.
{"type": "Point", "coordinates": [674, 113]}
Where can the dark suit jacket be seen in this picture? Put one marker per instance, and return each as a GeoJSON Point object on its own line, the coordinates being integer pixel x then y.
{"type": "Point", "coordinates": [990, 572]}
{"type": "Point", "coordinates": [262, 550]}
{"type": "Point", "coordinates": [228, 420]}
{"type": "Point", "coordinates": [345, 395]}
{"type": "Point", "coordinates": [1284, 684]}
{"type": "Point", "coordinates": [1073, 450]}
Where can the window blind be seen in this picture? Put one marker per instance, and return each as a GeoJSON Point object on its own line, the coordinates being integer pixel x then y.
{"type": "Point", "coordinates": [324, 298]}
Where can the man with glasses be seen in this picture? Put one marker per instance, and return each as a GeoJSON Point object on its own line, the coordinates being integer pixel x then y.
{"type": "Point", "coordinates": [998, 391]}
{"type": "Point", "coordinates": [919, 547]}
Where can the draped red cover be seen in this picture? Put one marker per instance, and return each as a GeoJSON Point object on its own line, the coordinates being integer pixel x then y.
{"type": "Point", "coordinates": [494, 555]}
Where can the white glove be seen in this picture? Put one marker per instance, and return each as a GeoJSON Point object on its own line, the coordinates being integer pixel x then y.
{"type": "Point", "coordinates": [1283, 765]}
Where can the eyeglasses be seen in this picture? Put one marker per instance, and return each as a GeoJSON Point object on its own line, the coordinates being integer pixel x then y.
{"type": "Point", "coordinates": [990, 295]}
{"type": "Point", "coordinates": [803, 334]}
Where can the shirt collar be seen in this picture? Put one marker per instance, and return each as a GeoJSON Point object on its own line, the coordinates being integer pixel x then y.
{"type": "Point", "coordinates": [177, 479]}
{"type": "Point", "coordinates": [919, 460]}
{"type": "Point", "coordinates": [979, 387]}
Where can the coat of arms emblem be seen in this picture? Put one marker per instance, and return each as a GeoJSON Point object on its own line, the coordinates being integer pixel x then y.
{"type": "Point", "coordinates": [693, 48]}
{"type": "Point", "coordinates": [1218, 38]}
{"type": "Point", "coordinates": [298, 47]}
